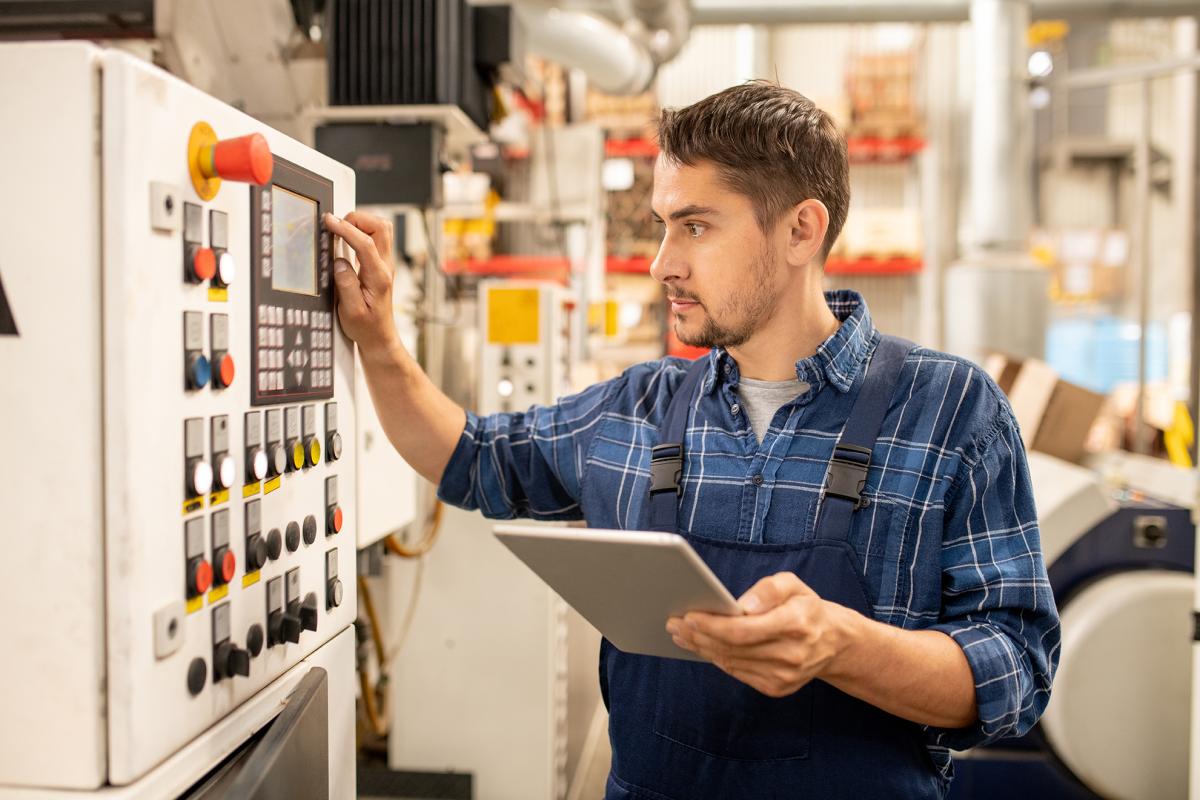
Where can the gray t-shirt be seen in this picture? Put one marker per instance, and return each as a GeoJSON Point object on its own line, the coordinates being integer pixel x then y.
{"type": "Point", "coordinates": [762, 399]}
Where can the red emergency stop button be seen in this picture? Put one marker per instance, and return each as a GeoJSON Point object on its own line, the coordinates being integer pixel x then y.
{"type": "Point", "coordinates": [334, 521]}
{"type": "Point", "coordinates": [246, 159]}
{"type": "Point", "coordinates": [225, 370]}
{"type": "Point", "coordinates": [199, 578]}
{"type": "Point", "coordinates": [204, 264]}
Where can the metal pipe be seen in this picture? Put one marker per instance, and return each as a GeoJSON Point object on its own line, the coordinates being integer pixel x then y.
{"type": "Point", "coordinates": [614, 61]}
{"type": "Point", "coordinates": [1001, 188]}
{"type": "Point", "coordinates": [1142, 170]}
{"type": "Point", "coordinates": [783, 12]}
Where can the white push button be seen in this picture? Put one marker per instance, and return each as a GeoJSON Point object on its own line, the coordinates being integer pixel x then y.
{"type": "Point", "coordinates": [200, 477]}
{"type": "Point", "coordinates": [226, 471]}
{"type": "Point", "coordinates": [226, 269]}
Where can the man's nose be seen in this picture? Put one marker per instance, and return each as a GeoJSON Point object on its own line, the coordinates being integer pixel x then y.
{"type": "Point", "coordinates": [667, 264]}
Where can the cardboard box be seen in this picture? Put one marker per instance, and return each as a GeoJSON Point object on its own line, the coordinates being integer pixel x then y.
{"type": "Point", "coordinates": [1056, 417]}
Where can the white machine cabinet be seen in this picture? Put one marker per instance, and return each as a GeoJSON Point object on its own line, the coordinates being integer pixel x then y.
{"type": "Point", "coordinates": [179, 425]}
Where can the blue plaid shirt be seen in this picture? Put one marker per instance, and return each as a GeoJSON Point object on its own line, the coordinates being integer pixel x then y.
{"type": "Point", "coordinates": [949, 538]}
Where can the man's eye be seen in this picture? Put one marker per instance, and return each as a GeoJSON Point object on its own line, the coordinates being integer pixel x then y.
{"type": "Point", "coordinates": [693, 229]}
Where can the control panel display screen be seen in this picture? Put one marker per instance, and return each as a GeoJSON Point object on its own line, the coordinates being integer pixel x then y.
{"type": "Point", "coordinates": [293, 242]}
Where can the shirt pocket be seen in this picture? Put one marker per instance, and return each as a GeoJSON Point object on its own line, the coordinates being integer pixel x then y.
{"type": "Point", "coordinates": [880, 534]}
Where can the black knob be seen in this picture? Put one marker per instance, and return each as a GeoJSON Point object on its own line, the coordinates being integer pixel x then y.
{"type": "Point", "coordinates": [230, 660]}
{"type": "Point", "coordinates": [333, 594]}
{"type": "Point", "coordinates": [310, 529]}
{"type": "Point", "coordinates": [334, 446]}
{"type": "Point", "coordinates": [292, 538]}
{"type": "Point", "coordinates": [254, 640]}
{"type": "Point", "coordinates": [283, 627]}
{"type": "Point", "coordinates": [308, 612]}
{"type": "Point", "coordinates": [256, 553]}
{"type": "Point", "coordinates": [276, 460]}
{"type": "Point", "coordinates": [274, 543]}
{"type": "Point", "coordinates": [197, 676]}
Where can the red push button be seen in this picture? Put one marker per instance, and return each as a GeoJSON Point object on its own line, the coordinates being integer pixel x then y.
{"type": "Point", "coordinates": [225, 370]}
{"type": "Point", "coordinates": [228, 566]}
{"type": "Point", "coordinates": [204, 264]}
{"type": "Point", "coordinates": [335, 519]}
{"type": "Point", "coordinates": [246, 159]}
{"type": "Point", "coordinates": [200, 577]}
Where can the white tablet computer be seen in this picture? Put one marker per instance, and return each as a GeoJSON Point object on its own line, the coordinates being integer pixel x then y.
{"type": "Point", "coordinates": [626, 583]}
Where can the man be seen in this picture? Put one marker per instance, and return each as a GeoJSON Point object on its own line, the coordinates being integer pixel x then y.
{"type": "Point", "coordinates": [869, 499]}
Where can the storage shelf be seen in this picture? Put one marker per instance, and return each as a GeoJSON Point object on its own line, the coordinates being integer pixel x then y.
{"type": "Point", "coordinates": [873, 266]}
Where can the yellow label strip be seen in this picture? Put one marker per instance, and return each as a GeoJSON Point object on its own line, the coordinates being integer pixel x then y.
{"type": "Point", "coordinates": [219, 593]}
{"type": "Point", "coordinates": [216, 498]}
{"type": "Point", "coordinates": [272, 484]}
{"type": "Point", "coordinates": [251, 489]}
{"type": "Point", "coordinates": [195, 604]}
{"type": "Point", "coordinates": [216, 295]}
{"type": "Point", "coordinates": [195, 504]}
{"type": "Point", "coordinates": [250, 578]}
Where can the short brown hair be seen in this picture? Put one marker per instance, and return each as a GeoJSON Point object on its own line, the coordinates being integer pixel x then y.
{"type": "Point", "coordinates": [770, 144]}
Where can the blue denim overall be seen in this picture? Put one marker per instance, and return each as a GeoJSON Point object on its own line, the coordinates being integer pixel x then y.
{"type": "Point", "coordinates": [684, 730]}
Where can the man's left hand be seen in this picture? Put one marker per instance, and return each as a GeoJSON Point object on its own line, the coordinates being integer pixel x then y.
{"type": "Point", "coordinates": [788, 636]}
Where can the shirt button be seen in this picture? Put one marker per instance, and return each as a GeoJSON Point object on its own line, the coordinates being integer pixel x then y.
{"type": "Point", "coordinates": [728, 368]}
{"type": "Point", "coordinates": [758, 480]}
{"type": "Point", "coordinates": [735, 409]}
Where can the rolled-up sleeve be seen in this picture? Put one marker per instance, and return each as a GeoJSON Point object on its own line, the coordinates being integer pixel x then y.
{"type": "Point", "coordinates": [525, 464]}
{"type": "Point", "coordinates": [997, 604]}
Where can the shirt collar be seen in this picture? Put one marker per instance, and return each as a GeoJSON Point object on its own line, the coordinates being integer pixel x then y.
{"type": "Point", "coordinates": [838, 359]}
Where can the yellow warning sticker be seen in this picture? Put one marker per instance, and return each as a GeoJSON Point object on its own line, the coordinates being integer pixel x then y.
{"type": "Point", "coordinates": [195, 604]}
{"type": "Point", "coordinates": [195, 504]}
{"type": "Point", "coordinates": [251, 489]}
{"type": "Point", "coordinates": [272, 484]}
{"type": "Point", "coordinates": [216, 295]}
{"type": "Point", "coordinates": [250, 578]}
{"type": "Point", "coordinates": [219, 593]}
{"type": "Point", "coordinates": [216, 498]}
{"type": "Point", "coordinates": [611, 324]}
{"type": "Point", "coordinates": [513, 316]}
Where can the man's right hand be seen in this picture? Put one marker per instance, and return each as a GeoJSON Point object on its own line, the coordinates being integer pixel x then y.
{"type": "Point", "coordinates": [365, 298]}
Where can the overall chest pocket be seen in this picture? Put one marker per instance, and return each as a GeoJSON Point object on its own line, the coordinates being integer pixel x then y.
{"type": "Point", "coordinates": [702, 708]}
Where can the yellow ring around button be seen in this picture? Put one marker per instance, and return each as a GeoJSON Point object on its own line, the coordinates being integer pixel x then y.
{"type": "Point", "coordinates": [314, 452]}
{"type": "Point", "coordinates": [298, 455]}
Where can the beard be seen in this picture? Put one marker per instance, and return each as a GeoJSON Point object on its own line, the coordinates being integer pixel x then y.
{"type": "Point", "coordinates": [743, 312]}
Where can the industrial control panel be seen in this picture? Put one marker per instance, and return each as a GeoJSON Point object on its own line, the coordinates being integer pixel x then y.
{"type": "Point", "coordinates": [525, 341]}
{"type": "Point", "coordinates": [183, 532]}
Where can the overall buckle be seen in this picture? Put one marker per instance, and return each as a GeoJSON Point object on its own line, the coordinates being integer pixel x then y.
{"type": "Point", "coordinates": [848, 473]}
{"type": "Point", "coordinates": [666, 467]}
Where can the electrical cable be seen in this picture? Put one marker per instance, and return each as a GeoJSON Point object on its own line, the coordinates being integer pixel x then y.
{"type": "Point", "coordinates": [375, 697]}
{"type": "Point", "coordinates": [427, 540]}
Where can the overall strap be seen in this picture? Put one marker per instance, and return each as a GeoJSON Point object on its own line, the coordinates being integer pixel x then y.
{"type": "Point", "coordinates": [666, 459]}
{"type": "Point", "coordinates": [852, 456]}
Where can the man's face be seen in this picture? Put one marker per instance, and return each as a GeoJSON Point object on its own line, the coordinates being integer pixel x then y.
{"type": "Point", "coordinates": [722, 274]}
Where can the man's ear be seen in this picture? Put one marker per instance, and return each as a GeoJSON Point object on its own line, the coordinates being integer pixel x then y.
{"type": "Point", "coordinates": [809, 221]}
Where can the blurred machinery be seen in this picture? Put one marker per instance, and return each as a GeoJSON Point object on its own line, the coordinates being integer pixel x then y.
{"type": "Point", "coordinates": [525, 338]}
{"type": "Point", "coordinates": [186, 407]}
{"type": "Point", "coordinates": [1118, 720]}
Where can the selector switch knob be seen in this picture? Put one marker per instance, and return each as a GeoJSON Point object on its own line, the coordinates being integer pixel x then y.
{"type": "Point", "coordinates": [225, 371]}
{"type": "Point", "coordinates": [256, 465]}
{"type": "Point", "coordinates": [333, 446]}
{"type": "Point", "coordinates": [276, 460]}
{"type": "Point", "coordinates": [199, 371]}
{"type": "Point", "coordinates": [283, 627]}
{"type": "Point", "coordinates": [199, 477]}
{"type": "Point", "coordinates": [333, 594]}
{"type": "Point", "coordinates": [226, 472]}
{"type": "Point", "coordinates": [292, 538]}
{"type": "Point", "coordinates": [199, 577]}
{"type": "Point", "coordinates": [256, 553]}
{"type": "Point", "coordinates": [310, 529]}
{"type": "Point", "coordinates": [274, 544]}
{"type": "Point", "coordinates": [226, 563]}
{"type": "Point", "coordinates": [308, 612]}
{"type": "Point", "coordinates": [230, 660]}
{"type": "Point", "coordinates": [333, 521]}
{"type": "Point", "coordinates": [197, 676]}
{"type": "Point", "coordinates": [254, 640]}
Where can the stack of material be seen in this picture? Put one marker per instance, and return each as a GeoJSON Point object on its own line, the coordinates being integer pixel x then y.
{"type": "Point", "coordinates": [1088, 264]}
{"type": "Point", "coordinates": [880, 233]}
{"type": "Point", "coordinates": [882, 91]}
{"type": "Point", "coordinates": [631, 115]}
{"type": "Point", "coordinates": [631, 232]}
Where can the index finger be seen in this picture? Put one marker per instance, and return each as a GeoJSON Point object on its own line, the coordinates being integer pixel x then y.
{"type": "Point", "coordinates": [739, 631]}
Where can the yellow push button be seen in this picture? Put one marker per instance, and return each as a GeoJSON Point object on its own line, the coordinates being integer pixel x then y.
{"type": "Point", "coordinates": [314, 452]}
{"type": "Point", "coordinates": [297, 455]}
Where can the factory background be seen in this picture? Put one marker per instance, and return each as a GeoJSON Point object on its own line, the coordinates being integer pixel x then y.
{"type": "Point", "coordinates": [222, 579]}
